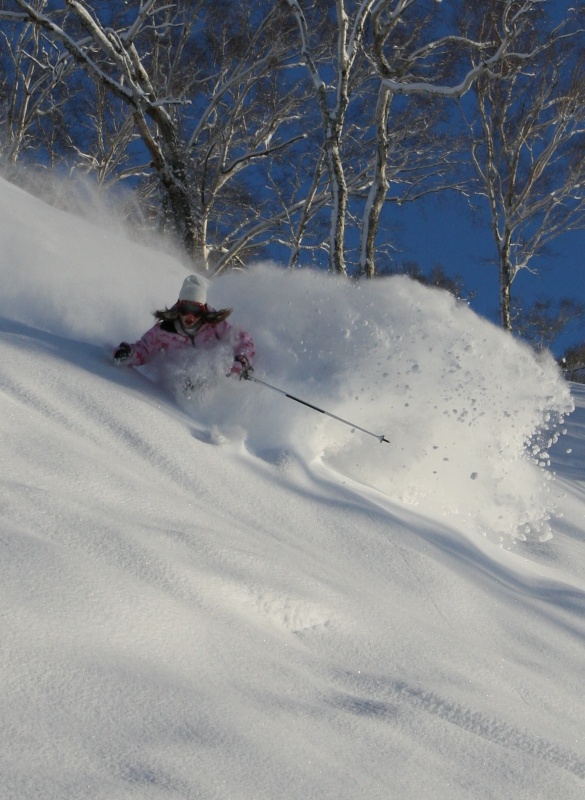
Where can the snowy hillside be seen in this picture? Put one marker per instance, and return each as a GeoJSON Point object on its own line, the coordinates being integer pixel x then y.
{"type": "Point", "coordinates": [232, 596]}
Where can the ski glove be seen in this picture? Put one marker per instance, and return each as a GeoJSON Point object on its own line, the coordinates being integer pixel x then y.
{"type": "Point", "coordinates": [242, 367]}
{"type": "Point", "coordinates": [122, 353]}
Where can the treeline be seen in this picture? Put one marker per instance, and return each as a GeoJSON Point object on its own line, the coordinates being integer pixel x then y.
{"type": "Point", "coordinates": [298, 128]}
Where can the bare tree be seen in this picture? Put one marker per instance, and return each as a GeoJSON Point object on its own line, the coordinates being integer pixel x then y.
{"type": "Point", "coordinates": [528, 145]}
{"type": "Point", "coordinates": [205, 87]}
{"type": "Point", "coordinates": [358, 148]}
{"type": "Point", "coordinates": [544, 321]}
{"type": "Point", "coordinates": [103, 149]}
{"type": "Point", "coordinates": [33, 92]}
{"type": "Point", "coordinates": [379, 50]}
{"type": "Point", "coordinates": [333, 115]}
{"type": "Point", "coordinates": [408, 152]}
{"type": "Point", "coordinates": [201, 109]}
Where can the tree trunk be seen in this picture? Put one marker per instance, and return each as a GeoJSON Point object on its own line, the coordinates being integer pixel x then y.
{"type": "Point", "coordinates": [339, 204]}
{"type": "Point", "coordinates": [506, 278]}
{"type": "Point", "coordinates": [378, 188]}
{"type": "Point", "coordinates": [171, 169]}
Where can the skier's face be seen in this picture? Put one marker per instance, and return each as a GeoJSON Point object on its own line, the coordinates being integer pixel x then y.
{"type": "Point", "coordinates": [190, 313]}
{"type": "Point", "coordinates": [189, 320]}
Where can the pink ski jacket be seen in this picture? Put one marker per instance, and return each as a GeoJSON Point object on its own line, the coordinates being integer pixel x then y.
{"type": "Point", "coordinates": [164, 337]}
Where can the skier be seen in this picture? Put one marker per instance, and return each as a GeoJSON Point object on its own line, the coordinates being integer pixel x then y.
{"type": "Point", "coordinates": [189, 323]}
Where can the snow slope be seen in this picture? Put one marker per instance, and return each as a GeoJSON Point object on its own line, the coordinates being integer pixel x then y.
{"type": "Point", "coordinates": [232, 596]}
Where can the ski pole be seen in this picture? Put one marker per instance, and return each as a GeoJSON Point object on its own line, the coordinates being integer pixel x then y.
{"type": "Point", "coordinates": [315, 408]}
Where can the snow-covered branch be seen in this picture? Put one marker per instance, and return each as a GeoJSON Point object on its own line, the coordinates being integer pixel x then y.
{"type": "Point", "coordinates": [238, 162]}
{"type": "Point", "coordinates": [145, 10]}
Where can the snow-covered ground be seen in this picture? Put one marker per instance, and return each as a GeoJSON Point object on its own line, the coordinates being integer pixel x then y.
{"type": "Point", "coordinates": [233, 597]}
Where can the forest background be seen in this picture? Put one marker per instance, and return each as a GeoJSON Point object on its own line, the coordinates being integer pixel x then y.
{"type": "Point", "coordinates": [366, 137]}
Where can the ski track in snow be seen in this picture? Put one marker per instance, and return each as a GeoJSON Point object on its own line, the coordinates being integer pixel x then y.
{"type": "Point", "coordinates": [393, 698]}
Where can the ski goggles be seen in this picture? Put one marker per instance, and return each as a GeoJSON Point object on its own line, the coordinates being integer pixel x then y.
{"type": "Point", "coordinates": [185, 307]}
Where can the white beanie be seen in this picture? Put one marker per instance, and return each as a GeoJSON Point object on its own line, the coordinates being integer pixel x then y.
{"type": "Point", "coordinates": [194, 289]}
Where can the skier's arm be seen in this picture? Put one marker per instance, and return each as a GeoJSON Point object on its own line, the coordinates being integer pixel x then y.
{"type": "Point", "coordinates": [140, 352]}
{"type": "Point", "coordinates": [244, 352]}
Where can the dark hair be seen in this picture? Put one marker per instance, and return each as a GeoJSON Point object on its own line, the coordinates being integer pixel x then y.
{"type": "Point", "coordinates": [209, 315]}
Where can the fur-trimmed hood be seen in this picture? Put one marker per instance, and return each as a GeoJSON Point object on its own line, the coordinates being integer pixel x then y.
{"type": "Point", "coordinates": [209, 315]}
